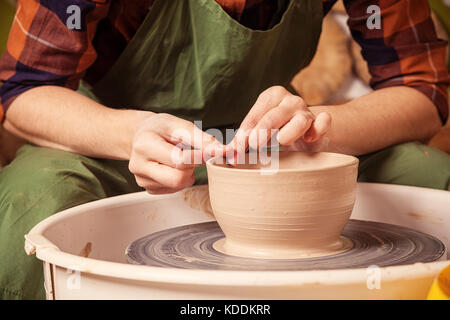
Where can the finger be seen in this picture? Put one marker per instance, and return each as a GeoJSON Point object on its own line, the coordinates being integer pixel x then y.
{"type": "Point", "coordinates": [153, 187]}
{"type": "Point", "coordinates": [295, 128]}
{"type": "Point", "coordinates": [267, 100]}
{"type": "Point", "coordinates": [275, 119]}
{"type": "Point", "coordinates": [162, 191]}
{"type": "Point", "coordinates": [147, 183]}
{"type": "Point", "coordinates": [300, 145]}
{"type": "Point", "coordinates": [318, 128]}
{"type": "Point", "coordinates": [166, 176]}
{"type": "Point", "coordinates": [173, 156]}
{"type": "Point", "coordinates": [154, 148]}
{"type": "Point", "coordinates": [185, 133]}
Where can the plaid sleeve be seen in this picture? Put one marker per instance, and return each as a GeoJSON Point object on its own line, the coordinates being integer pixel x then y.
{"type": "Point", "coordinates": [43, 50]}
{"type": "Point", "coordinates": [405, 51]}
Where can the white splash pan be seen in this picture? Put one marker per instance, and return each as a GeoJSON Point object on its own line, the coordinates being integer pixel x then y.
{"type": "Point", "coordinates": [111, 224]}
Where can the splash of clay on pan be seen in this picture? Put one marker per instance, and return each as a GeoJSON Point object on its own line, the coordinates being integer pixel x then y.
{"type": "Point", "coordinates": [86, 251]}
{"type": "Point", "coordinates": [425, 217]}
{"type": "Point", "coordinates": [198, 198]}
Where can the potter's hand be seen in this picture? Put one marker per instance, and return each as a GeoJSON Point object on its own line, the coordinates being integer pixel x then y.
{"type": "Point", "coordinates": [277, 108]}
{"type": "Point", "coordinates": [165, 151]}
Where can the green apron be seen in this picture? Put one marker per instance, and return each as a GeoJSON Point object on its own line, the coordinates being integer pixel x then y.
{"type": "Point", "coordinates": [191, 59]}
{"type": "Point", "coordinates": [188, 58]}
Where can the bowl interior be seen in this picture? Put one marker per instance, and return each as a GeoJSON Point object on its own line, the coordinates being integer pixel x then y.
{"type": "Point", "coordinates": [287, 161]}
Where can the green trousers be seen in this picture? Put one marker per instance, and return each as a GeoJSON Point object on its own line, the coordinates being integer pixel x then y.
{"type": "Point", "coordinates": [42, 181]}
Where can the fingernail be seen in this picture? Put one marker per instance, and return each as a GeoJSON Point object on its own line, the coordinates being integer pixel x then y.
{"type": "Point", "coordinates": [253, 139]}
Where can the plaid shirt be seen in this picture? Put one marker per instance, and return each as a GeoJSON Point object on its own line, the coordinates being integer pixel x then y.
{"type": "Point", "coordinates": [42, 51]}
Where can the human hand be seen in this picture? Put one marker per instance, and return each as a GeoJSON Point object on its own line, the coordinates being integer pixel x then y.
{"type": "Point", "coordinates": [277, 110]}
{"type": "Point", "coordinates": [165, 151]}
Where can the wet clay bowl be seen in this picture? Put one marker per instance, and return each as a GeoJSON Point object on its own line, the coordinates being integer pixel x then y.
{"type": "Point", "coordinates": [296, 210]}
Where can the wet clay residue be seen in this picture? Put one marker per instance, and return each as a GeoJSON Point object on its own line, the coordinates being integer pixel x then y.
{"type": "Point", "coordinates": [198, 198]}
{"type": "Point", "coordinates": [425, 217]}
{"type": "Point", "coordinates": [383, 244]}
{"type": "Point", "coordinates": [415, 215]}
{"type": "Point", "coordinates": [86, 250]}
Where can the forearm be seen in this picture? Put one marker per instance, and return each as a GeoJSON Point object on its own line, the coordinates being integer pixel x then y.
{"type": "Point", "coordinates": [63, 119]}
{"type": "Point", "coordinates": [382, 118]}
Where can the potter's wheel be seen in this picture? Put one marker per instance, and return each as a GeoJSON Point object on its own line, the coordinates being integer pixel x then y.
{"type": "Point", "coordinates": [374, 243]}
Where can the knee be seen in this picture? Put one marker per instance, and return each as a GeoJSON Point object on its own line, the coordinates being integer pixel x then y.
{"type": "Point", "coordinates": [412, 163]}
{"type": "Point", "coordinates": [38, 183]}
{"type": "Point", "coordinates": [44, 182]}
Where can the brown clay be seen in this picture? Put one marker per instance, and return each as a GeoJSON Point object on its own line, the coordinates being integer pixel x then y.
{"type": "Point", "coordinates": [300, 210]}
{"type": "Point", "coordinates": [86, 251]}
{"type": "Point", "coordinates": [198, 199]}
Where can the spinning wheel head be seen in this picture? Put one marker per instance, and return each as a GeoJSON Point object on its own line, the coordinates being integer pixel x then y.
{"type": "Point", "coordinates": [373, 243]}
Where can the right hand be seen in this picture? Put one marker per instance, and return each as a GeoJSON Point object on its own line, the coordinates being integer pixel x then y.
{"type": "Point", "coordinates": [157, 160]}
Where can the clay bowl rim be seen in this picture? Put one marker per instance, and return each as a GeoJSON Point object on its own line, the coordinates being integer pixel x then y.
{"type": "Point", "coordinates": [352, 160]}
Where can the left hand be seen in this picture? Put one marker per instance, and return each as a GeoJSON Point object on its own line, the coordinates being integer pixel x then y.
{"type": "Point", "coordinates": [277, 108]}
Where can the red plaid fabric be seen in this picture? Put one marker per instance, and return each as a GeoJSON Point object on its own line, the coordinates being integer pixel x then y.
{"type": "Point", "coordinates": [42, 51]}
